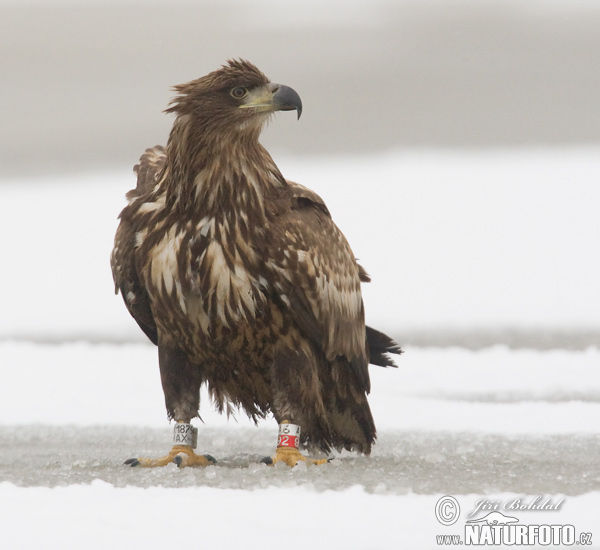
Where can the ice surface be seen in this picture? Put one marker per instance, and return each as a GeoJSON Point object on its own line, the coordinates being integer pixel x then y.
{"type": "Point", "coordinates": [401, 463]}
{"type": "Point", "coordinates": [65, 488]}
{"type": "Point", "coordinates": [452, 420]}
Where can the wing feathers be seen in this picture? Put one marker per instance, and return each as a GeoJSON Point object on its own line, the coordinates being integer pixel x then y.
{"type": "Point", "coordinates": [318, 274]}
{"type": "Point", "coordinates": [123, 264]}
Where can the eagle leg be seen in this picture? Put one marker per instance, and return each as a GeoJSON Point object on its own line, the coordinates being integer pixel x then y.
{"type": "Point", "coordinates": [181, 381]}
{"type": "Point", "coordinates": [185, 437]}
{"type": "Point", "coordinates": [287, 448]}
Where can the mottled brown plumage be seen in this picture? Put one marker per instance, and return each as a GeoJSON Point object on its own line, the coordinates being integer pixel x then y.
{"type": "Point", "coordinates": [240, 277]}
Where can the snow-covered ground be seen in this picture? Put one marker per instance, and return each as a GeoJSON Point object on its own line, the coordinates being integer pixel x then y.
{"type": "Point", "coordinates": [453, 240]}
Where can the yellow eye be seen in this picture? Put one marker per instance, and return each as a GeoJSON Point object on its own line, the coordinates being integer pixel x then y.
{"type": "Point", "coordinates": [239, 92]}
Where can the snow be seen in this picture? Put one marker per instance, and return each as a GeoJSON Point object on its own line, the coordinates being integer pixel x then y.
{"type": "Point", "coordinates": [450, 390]}
{"type": "Point", "coordinates": [201, 516]}
{"type": "Point", "coordinates": [470, 240]}
{"type": "Point", "coordinates": [158, 518]}
{"type": "Point", "coordinates": [453, 240]}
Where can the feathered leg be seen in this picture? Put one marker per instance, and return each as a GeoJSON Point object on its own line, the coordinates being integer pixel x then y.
{"type": "Point", "coordinates": [181, 385]}
{"type": "Point", "coordinates": [297, 406]}
{"type": "Point", "coordinates": [325, 399]}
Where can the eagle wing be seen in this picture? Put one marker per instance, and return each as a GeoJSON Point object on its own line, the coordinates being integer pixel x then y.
{"type": "Point", "coordinates": [123, 264]}
{"type": "Point", "coordinates": [151, 164]}
{"type": "Point", "coordinates": [316, 276]}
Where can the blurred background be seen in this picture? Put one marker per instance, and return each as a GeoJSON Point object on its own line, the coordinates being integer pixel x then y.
{"type": "Point", "coordinates": [456, 142]}
{"type": "Point", "coordinates": [84, 82]}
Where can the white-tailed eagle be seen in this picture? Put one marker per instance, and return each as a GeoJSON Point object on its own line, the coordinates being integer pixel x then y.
{"type": "Point", "coordinates": [242, 280]}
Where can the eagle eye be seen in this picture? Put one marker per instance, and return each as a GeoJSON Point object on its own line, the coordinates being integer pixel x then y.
{"type": "Point", "coordinates": [239, 92]}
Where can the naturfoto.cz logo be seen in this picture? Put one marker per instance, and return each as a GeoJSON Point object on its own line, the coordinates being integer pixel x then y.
{"type": "Point", "coordinates": [496, 529]}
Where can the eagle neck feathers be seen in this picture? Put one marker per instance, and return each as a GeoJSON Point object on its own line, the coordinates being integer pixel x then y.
{"type": "Point", "coordinates": [217, 174]}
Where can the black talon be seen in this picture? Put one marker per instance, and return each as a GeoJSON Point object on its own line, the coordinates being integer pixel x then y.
{"type": "Point", "coordinates": [267, 460]}
{"type": "Point", "coordinates": [178, 460]}
{"type": "Point", "coordinates": [330, 459]}
{"type": "Point", "coordinates": [211, 459]}
{"type": "Point", "coordinates": [132, 462]}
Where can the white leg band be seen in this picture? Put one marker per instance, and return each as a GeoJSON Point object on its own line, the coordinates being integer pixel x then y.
{"type": "Point", "coordinates": [185, 434]}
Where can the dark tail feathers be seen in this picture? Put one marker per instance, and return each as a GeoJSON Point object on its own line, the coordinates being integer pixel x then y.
{"type": "Point", "coordinates": [379, 346]}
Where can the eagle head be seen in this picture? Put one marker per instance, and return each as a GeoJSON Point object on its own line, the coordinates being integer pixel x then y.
{"type": "Point", "coordinates": [236, 96]}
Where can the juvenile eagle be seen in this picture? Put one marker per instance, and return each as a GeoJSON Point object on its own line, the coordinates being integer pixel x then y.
{"type": "Point", "coordinates": [242, 279]}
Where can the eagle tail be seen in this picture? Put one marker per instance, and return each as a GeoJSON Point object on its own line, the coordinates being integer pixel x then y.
{"type": "Point", "coordinates": [380, 345]}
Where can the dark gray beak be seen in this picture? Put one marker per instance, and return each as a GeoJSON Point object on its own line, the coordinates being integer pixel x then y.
{"type": "Point", "coordinates": [286, 99]}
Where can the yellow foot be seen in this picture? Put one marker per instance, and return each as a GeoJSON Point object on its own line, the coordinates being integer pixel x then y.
{"type": "Point", "coordinates": [182, 455]}
{"type": "Point", "coordinates": [291, 456]}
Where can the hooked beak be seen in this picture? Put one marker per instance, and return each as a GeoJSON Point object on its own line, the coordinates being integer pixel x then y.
{"type": "Point", "coordinates": [273, 97]}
